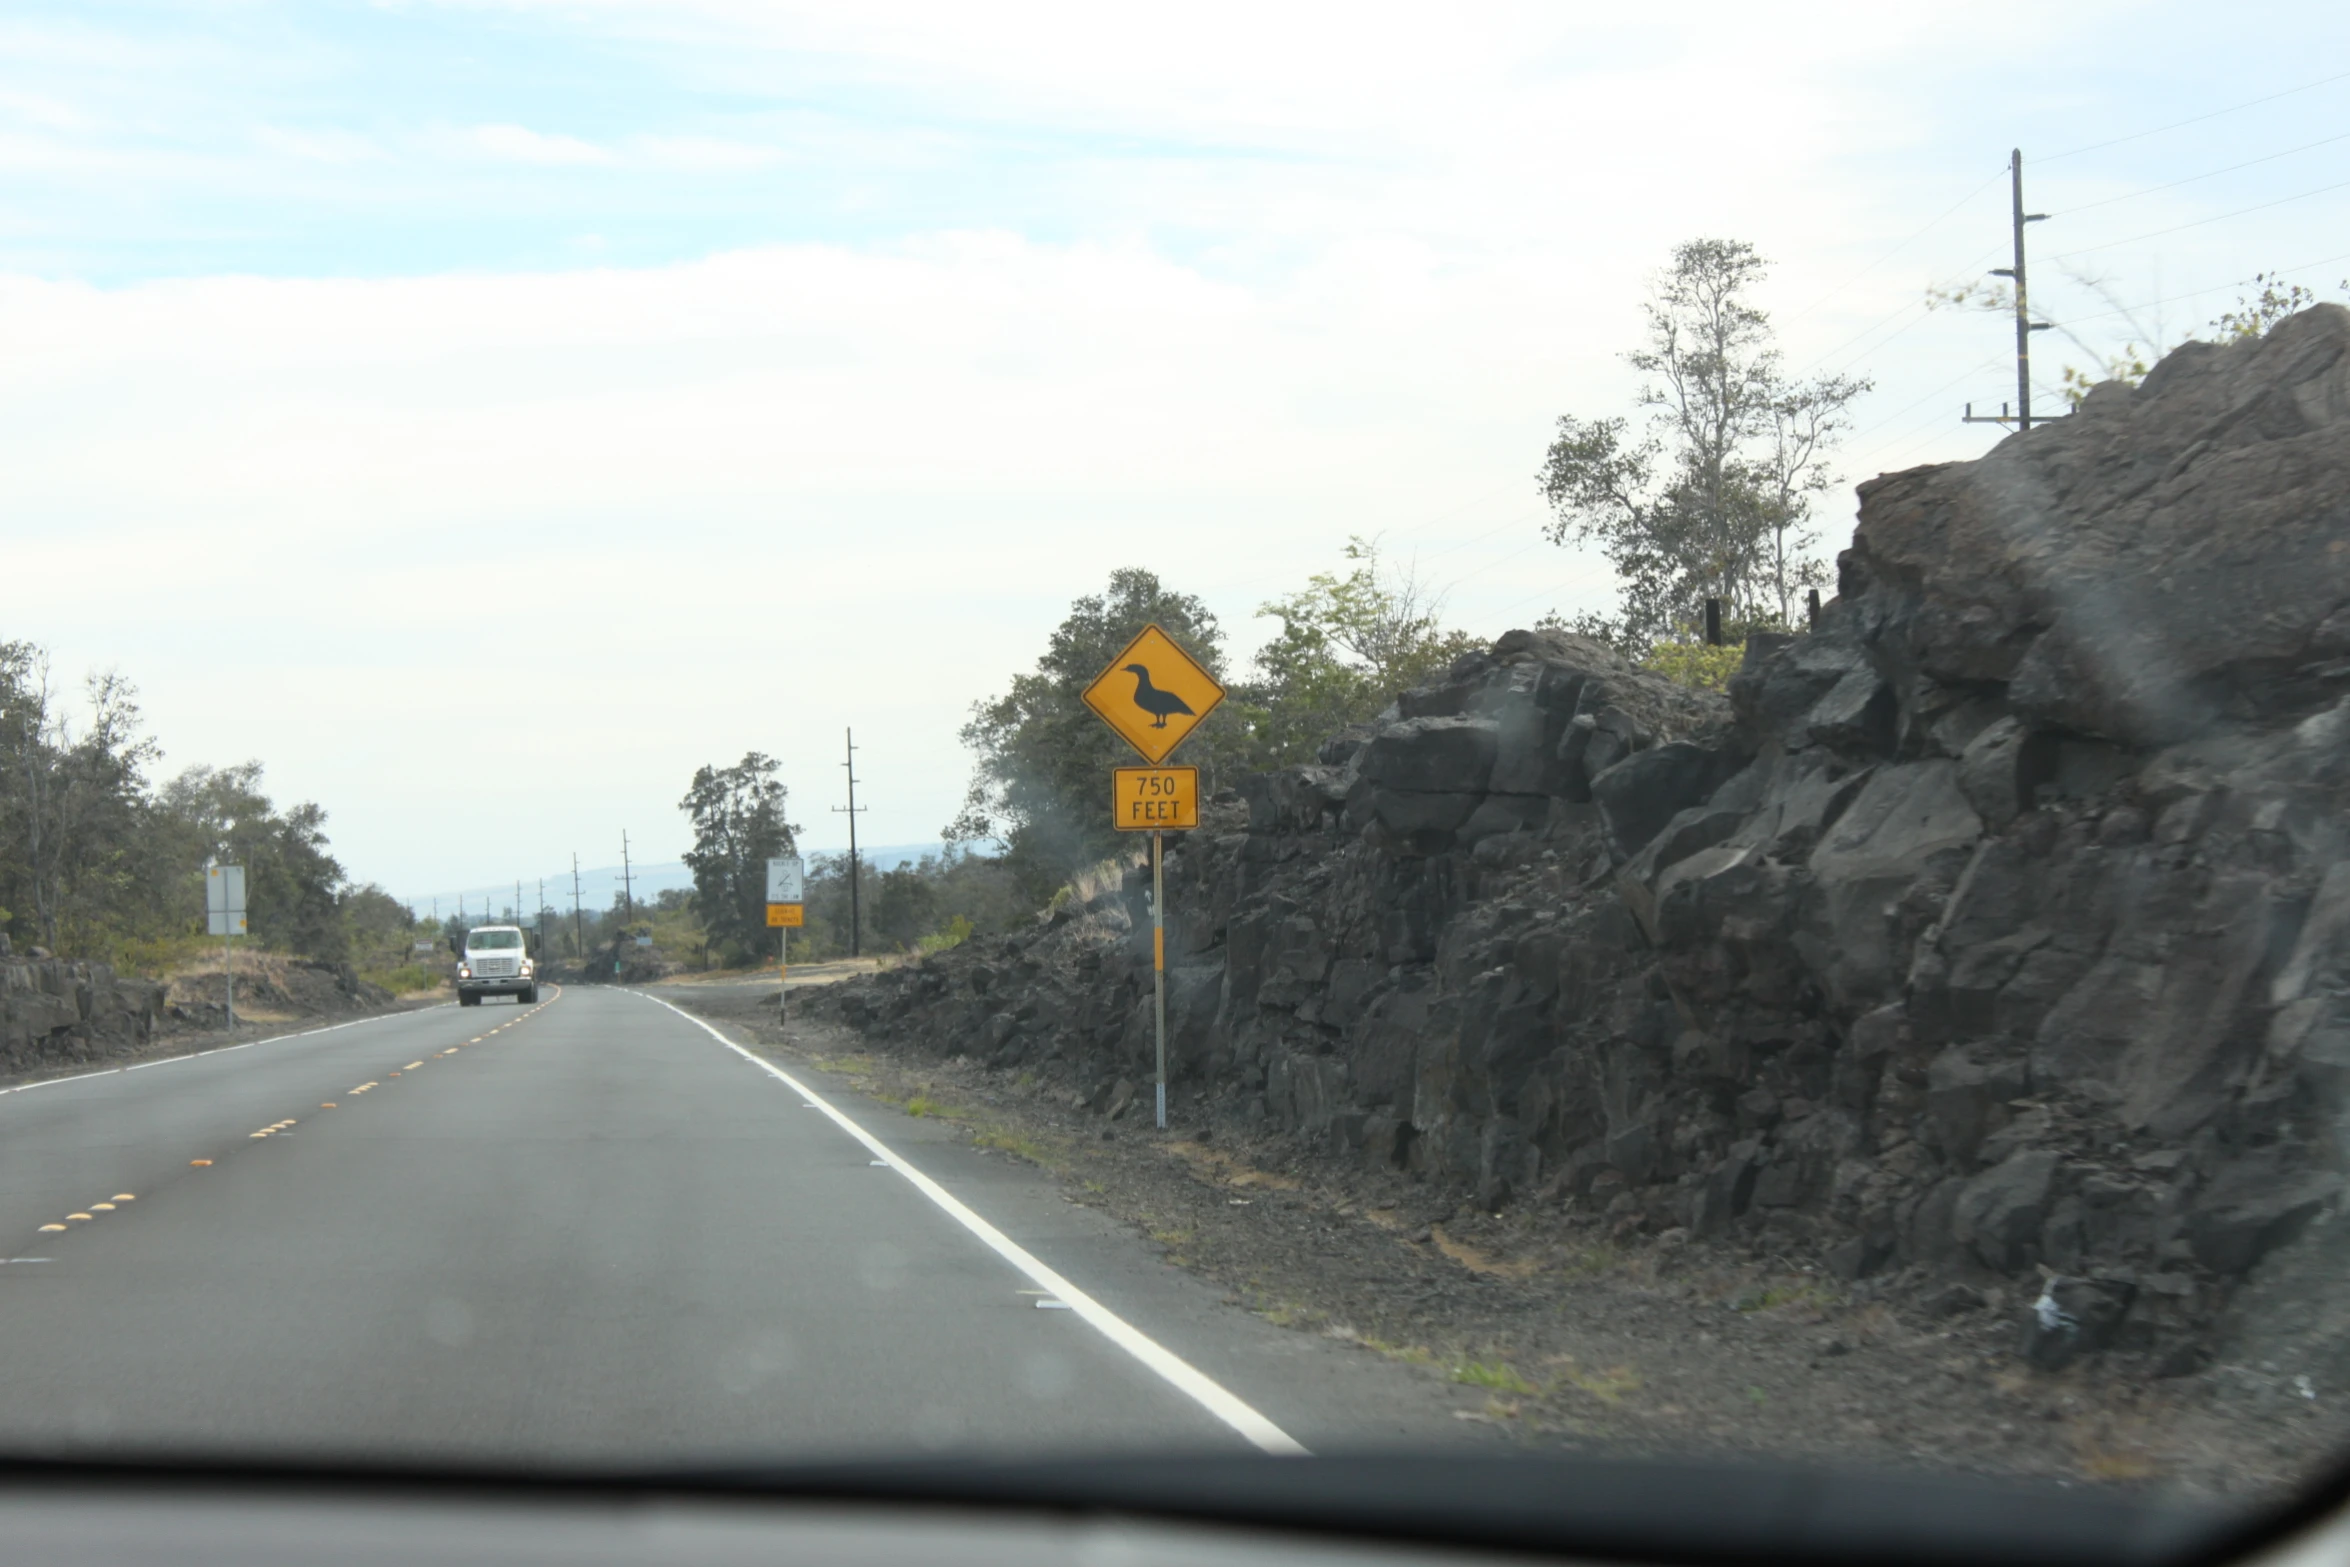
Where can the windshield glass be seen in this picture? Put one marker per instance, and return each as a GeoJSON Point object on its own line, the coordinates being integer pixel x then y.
{"type": "Point", "coordinates": [1487, 731]}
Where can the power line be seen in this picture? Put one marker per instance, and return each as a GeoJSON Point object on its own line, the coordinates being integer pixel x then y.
{"type": "Point", "coordinates": [1922, 306]}
{"type": "Point", "coordinates": [1897, 249]}
{"type": "Point", "coordinates": [2212, 288]}
{"type": "Point", "coordinates": [2220, 217]}
{"type": "Point", "coordinates": [1971, 370]}
{"type": "Point", "coordinates": [2248, 103]}
{"type": "Point", "coordinates": [2091, 206]}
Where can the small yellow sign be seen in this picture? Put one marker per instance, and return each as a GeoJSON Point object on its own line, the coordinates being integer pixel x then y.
{"type": "Point", "coordinates": [788, 915]}
{"type": "Point", "coordinates": [1155, 799]}
{"type": "Point", "coordinates": [1153, 694]}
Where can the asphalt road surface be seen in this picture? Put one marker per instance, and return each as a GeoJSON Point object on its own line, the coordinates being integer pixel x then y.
{"type": "Point", "coordinates": [596, 1231]}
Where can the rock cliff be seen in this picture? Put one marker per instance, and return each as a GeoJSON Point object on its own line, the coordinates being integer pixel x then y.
{"type": "Point", "coordinates": [1998, 928]}
{"type": "Point", "coordinates": [56, 1013]}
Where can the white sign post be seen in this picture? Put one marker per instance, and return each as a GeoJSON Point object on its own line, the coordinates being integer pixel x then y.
{"type": "Point", "coordinates": [224, 912]}
{"type": "Point", "coordinates": [787, 885]}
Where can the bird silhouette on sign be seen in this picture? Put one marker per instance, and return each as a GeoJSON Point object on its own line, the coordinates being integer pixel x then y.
{"type": "Point", "coordinates": [1159, 704]}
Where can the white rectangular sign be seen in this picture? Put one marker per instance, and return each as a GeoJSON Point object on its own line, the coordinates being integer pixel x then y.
{"type": "Point", "coordinates": [224, 899]}
{"type": "Point", "coordinates": [787, 880]}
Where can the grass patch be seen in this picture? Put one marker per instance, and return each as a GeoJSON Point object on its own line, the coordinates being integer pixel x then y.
{"type": "Point", "coordinates": [1608, 1386]}
{"type": "Point", "coordinates": [1590, 1262]}
{"type": "Point", "coordinates": [1408, 1354]}
{"type": "Point", "coordinates": [1497, 1376]}
{"type": "Point", "coordinates": [1809, 1293]}
{"type": "Point", "coordinates": [1020, 1145]}
{"type": "Point", "coordinates": [1293, 1314]}
{"type": "Point", "coordinates": [407, 980]}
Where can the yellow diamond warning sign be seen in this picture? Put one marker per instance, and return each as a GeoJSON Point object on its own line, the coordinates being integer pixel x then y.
{"type": "Point", "coordinates": [1153, 694]}
{"type": "Point", "coordinates": [1155, 799]}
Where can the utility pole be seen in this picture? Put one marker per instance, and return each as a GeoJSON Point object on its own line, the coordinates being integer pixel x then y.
{"type": "Point", "coordinates": [856, 915]}
{"type": "Point", "coordinates": [2025, 326]}
{"type": "Point", "coordinates": [542, 919]}
{"type": "Point", "coordinates": [627, 884]}
{"type": "Point", "coordinates": [578, 940]}
{"type": "Point", "coordinates": [517, 900]}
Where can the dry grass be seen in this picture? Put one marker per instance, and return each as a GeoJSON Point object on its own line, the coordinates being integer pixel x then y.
{"type": "Point", "coordinates": [1218, 1168]}
{"type": "Point", "coordinates": [1477, 1261]}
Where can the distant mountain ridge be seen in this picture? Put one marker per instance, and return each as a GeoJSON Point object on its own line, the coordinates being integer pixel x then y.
{"type": "Point", "coordinates": [599, 888]}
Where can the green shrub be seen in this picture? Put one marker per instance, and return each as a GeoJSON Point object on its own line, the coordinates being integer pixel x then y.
{"type": "Point", "coordinates": [1695, 664]}
{"type": "Point", "coordinates": [958, 930]}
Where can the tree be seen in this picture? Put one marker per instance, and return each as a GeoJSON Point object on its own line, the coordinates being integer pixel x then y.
{"type": "Point", "coordinates": [1041, 783]}
{"type": "Point", "coordinates": [73, 799]}
{"type": "Point", "coordinates": [905, 905]}
{"type": "Point", "coordinates": [1346, 646]}
{"type": "Point", "coordinates": [1711, 495]}
{"type": "Point", "coordinates": [292, 884]}
{"type": "Point", "coordinates": [738, 821]}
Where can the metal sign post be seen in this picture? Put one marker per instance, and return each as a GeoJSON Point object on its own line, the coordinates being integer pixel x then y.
{"type": "Point", "coordinates": [1154, 694]}
{"type": "Point", "coordinates": [224, 913]}
{"type": "Point", "coordinates": [1159, 961]}
{"type": "Point", "coordinates": [787, 895]}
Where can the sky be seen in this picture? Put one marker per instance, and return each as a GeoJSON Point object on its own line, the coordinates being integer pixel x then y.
{"type": "Point", "coordinates": [485, 414]}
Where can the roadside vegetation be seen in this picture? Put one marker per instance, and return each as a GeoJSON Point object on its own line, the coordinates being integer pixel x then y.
{"type": "Point", "coordinates": [101, 859]}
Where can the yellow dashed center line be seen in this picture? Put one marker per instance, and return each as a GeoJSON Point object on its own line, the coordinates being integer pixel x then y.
{"type": "Point", "coordinates": [97, 1208]}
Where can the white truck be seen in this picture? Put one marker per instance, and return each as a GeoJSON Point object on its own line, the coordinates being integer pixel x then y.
{"type": "Point", "coordinates": [495, 960]}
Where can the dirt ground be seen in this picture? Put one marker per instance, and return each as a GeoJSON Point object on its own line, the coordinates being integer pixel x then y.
{"type": "Point", "coordinates": [1646, 1346]}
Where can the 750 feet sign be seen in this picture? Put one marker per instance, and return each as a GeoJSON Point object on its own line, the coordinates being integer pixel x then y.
{"type": "Point", "coordinates": [1154, 694]}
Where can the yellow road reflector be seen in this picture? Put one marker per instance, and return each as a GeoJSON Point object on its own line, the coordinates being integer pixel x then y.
{"type": "Point", "coordinates": [124, 1197]}
{"type": "Point", "coordinates": [394, 1074]}
{"type": "Point", "coordinates": [72, 1216]}
{"type": "Point", "coordinates": [101, 1207]}
{"type": "Point", "coordinates": [199, 1163]}
{"type": "Point", "coordinates": [329, 1105]}
{"type": "Point", "coordinates": [46, 1228]}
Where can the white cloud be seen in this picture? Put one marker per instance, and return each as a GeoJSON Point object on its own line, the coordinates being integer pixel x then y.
{"type": "Point", "coordinates": [520, 144]}
{"type": "Point", "coordinates": [1244, 281]}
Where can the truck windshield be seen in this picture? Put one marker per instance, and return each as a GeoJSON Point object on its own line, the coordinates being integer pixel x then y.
{"type": "Point", "coordinates": [493, 940]}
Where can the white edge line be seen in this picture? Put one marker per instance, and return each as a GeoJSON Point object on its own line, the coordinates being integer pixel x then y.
{"type": "Point", "coordinates": [1170, 1367]}
{"type": "Point", "coordinates": [217, 1050]}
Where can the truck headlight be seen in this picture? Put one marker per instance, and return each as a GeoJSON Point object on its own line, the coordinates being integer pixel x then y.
{"type": "Point", "coordinates": [463, 972]}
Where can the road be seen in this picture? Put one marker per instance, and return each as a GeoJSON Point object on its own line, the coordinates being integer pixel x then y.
{"type": "Point", "coordinates": [595, 1230]}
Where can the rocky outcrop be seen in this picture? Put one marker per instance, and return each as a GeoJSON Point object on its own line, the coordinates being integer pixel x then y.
{"type": "Point", "coordinates": [1996, 930]}
{"type": "Point", "coordinates": [56, 1013]}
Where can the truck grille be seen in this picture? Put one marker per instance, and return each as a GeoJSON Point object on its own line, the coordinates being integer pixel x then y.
{"type": "Point", "coordinates": [496, 968]}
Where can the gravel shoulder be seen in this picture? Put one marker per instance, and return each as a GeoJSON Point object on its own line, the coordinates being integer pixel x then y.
{"type": "Point", "coordinates": [1558, 1334]}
